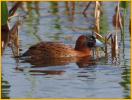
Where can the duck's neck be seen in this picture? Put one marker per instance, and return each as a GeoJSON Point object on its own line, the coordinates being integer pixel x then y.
{"type": "Point", "coordinates": [84, 50]}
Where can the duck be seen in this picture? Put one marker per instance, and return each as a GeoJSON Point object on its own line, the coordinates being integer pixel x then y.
{"type": "Point", "coordinates": [57, 50]}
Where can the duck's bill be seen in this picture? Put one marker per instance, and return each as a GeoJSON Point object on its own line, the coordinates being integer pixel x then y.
{"type": "Point", "coordinates": [99, 43]}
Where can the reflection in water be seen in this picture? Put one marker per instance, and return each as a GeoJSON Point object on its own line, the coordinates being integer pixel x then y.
{"type": "Point", "coordinates": [5, 89]}
{"type": "Point", "coordinates": [37, 63]}
{"type": "Point", "coordinates": [54, 7]}
{"type": "Point", "coordinates": [86, 77]}
{"type": "Point", "coordinates": [33, 19]}
{"type": "Point", "coordinates": [67, 8]}
{"type": "Point", "coordinates": [81, 62]}
{"type": "Point", "coordinates": [41, 72]}
{"type": "Point", "coordinates": [37, 8]}
{"type": "Point", "coordinates": [73, 11]}
{"type": "Point", "coordinates": [56, 20]}
{"type": "Point", "coordinates": [125, 83]}
{"type": "Point", "coordinates": [70, 10]}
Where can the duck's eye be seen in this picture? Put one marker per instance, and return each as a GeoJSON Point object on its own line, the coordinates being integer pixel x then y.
{"type": "Point", "coordinates": [93, 37]}
{"type": "Point", "coordinates": [91, 41]}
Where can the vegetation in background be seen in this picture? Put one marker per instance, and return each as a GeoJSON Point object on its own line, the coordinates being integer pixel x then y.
{"type": "Point", "coordinates": [104, 25]}
{"type": "Point", "coordinates": [101, 25]}
{"type": "Point", "coordinates": [4, 13]}
{"type": "Point", "coordinates": [124, 5]}
{"type": "Point", "coordinates": [9, 35]}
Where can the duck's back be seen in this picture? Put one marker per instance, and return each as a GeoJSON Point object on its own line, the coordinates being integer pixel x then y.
{"type": "Point", "coordinates": [50, 50]}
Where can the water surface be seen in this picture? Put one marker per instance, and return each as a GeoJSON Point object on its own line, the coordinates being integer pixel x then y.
{"type": "Point", "coordinates": [53, 22]}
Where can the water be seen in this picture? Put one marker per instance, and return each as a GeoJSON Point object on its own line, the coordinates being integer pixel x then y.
{"type": "Point", "coordinates": [101, 80]}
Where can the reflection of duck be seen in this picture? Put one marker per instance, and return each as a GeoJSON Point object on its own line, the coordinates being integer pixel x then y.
{"type": "Point", "coordinates": [41, 72]}
{"type": "Point", "coordinates": [53, 50]}
{"type": "Point", "coordinates": [50, 66]}
{"type": "Point", "coordinates": [80, 61]}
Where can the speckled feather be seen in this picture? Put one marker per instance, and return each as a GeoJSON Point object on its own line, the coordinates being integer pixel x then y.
{"type": "Point", "coordinates": [50, 49]}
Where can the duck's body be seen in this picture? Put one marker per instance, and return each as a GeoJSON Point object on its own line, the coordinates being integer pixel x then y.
{"type": "Point", "coordinates": [59, 50]}
{"type": "Point", "coordinates": [54, 50]}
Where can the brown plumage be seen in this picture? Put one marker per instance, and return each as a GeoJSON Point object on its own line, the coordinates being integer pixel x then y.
{"type": "Point", "coordinates": [59, 50]}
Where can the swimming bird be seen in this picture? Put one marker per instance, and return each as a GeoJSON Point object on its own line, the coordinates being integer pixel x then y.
{"type": "Point", "coordinates": [53, 50]}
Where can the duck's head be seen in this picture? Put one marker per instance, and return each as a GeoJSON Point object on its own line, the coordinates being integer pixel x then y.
{"type": "Point", "coordinates": [87, 41]}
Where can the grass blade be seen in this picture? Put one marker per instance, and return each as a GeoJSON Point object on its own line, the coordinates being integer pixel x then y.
{"type": "Point", "coordinates": [4, 13]}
